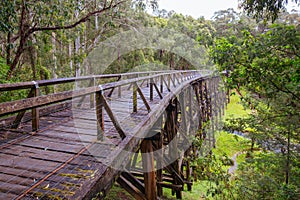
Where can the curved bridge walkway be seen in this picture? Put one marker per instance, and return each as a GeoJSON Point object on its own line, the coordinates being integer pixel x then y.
{"type": "Point", "coordinates": [136, 129]}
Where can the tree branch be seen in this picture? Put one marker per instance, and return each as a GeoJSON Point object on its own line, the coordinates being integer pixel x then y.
{"type": "Point", "coordinates": [82, 20]}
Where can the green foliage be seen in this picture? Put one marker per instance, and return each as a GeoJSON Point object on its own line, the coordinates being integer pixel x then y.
{"type": "Point", "coordinates": [8, 16]}
{"type": "Point", "coordinates": [264, 70]}
{"type": "Point", "coordinates": [211, 168]}
{"type": "Point", "coordinates": [3, 71]}
{"type": "Point", "coordinates": [268, 9]}
{"type": "Point", "coordinates": [262, 177]}
{"type": "Point", "coordinates": [235, 108]}
{"type": "Point", "coordinates": [199, 191]}
{"type": "Point", "coordinates": [229, 144]}
{"type": "Point", "coordinates": [118, 193]}
{"type": "Point", "coordinates": [6, 95]}
{"type": "Point", "coordinates": [266, 66]}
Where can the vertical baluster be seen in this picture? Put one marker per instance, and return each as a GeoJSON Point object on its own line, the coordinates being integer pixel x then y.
{"type": "Point", "coordinates": [35, 111]}
{"type": "Point", "coordinates": [161, 84]}
{"type": "Point", "coordinates": [134, 97]}
{"type": "Point", "coordinates": [92, 96]}
{"type": "Point", "coordinates": [151, 89]}
{"type": "Point", "coordinates": [99, 113]}
{"type": "Point", "coordinates": [120, 88]}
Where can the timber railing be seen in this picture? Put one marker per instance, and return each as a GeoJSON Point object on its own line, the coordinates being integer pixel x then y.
{"type": "Point", "coordinates": [34, 100]}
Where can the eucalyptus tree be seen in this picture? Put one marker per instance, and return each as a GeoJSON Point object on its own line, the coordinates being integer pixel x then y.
{"type": "Point", "coordinates": [26, 26]}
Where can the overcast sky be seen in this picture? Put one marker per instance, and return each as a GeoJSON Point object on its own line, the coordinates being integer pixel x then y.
{"type": "Point", "coordinates": [197, 8]}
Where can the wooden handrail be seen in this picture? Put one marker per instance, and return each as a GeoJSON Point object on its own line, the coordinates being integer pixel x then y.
{"type": "Point", "coordinates": [23, 104]}
{"type": "Point", "coordinates": [34, 101]}
{"type": "Point", "coordinates": [27, 85]}
{"type": "Point", "coordinates": [30, 84]}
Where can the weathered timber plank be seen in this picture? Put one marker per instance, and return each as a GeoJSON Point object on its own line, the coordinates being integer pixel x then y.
{"type": "Point", "coordinates": [11, 188]}
{"type": "Point", "coordinates": [77, 122]}
{"type": "Point", "coordinates": [79, 168]}
{"type": "Point", "coordinates": [35, 153]}
{"type": "Point", "coordinates": [53, 190]}
{"type": "Point", "coordinates": [58, 141]}
{"type": "Point", "coordinates": [75, 136]}
{"type": "Point", "coordinates": [33, 176]}
{"type": "Point", "coordinates": [69, 144]}
{"type": "Point", "coordinates": [6, 178]}
{"type": "Point", "coordinates": [85, 117]}
{"type": "Point", "coordinates": [86, 129]}
{"type": "Point", "coordinates": [41, 193]}
{"type": "Point", "coordinates": [21, 172]}
{"type": "Point", "coordinates": [7, 195]}
{"type": "Point", "coordinates": [26, 163]}
{"type": "Point", "coordinates": [100, 150]}
{"type": "Point", "coordinates": [38, 143]}
{"type": "Point", "coordinates": [7, 136]}
{"type": "Point", "coordinates": [121, 110]}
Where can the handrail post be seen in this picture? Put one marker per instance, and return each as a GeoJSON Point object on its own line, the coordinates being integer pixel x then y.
{"type": "Point", "coordinates": [120, 88]}
{"type": "Point", "coordinates": [35, 111]}
{"type": "Point", "coordinates": [161, 84]}
{"type": "Point", "coordinates": [182, 76]}
{"type": "Point", "coordinates": [134, 97]}
{"type": "Point", "coordinates": [151, 89]}
{"type": "Point", "coordinates": [92, 96]}
{"type": "Point", "coordinates": [147, 81]}
{"type": "Point", "coordinates": [174, 78]}
{"type": "Point", "coordinates": [169, 80]}
{"type": "Point", "coordinates": [99, 114]}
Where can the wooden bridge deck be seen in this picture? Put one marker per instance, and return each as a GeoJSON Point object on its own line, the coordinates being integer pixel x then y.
{"type": "Point", "coordinates": [65, 159]}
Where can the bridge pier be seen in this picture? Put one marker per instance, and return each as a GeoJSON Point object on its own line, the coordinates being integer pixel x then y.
{"type": "Point", "coordinates": [171, 130]}
{"type": "Point", "coordinates": [149, 169]}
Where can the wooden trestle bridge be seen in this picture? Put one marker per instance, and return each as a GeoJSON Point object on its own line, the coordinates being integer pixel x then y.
{"type": "Point", "coordinates": [73, 138]}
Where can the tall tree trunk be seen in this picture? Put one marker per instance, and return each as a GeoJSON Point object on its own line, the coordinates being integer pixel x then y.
{"type": "Point", "coordinates": [24, 34]}
{"type": "Point", "coordinates": [172, 62]}
{"type": "Point", "coordinates": [96, 23]}
{"type": "Point", "coordinates": [287, 167]}
{"type": "Point", "coordinates": [70, 56]}
{"type": "Point", "coordinates": [96, 17]}
{"type": "Point", "coordinates": [54, 75]}
{"type": "Point", "coordinates": [8, 48]}
{"type": "Point", "coordinates": [32, 57]}
{"type": "Point", "coordinates": [77, 49]}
